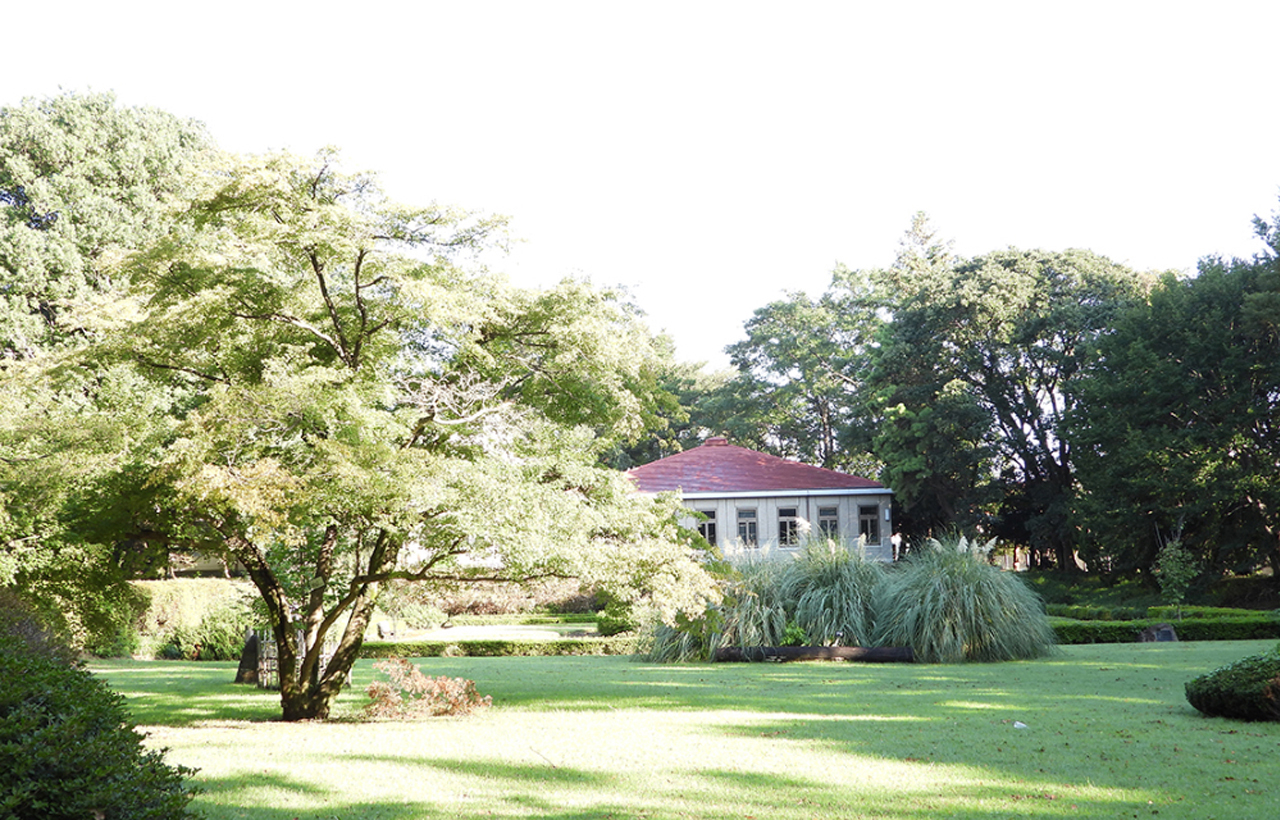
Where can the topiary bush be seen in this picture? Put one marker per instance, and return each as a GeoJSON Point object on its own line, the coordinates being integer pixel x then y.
{"type": "Point", "coordinates": [949, 604]}
{"type": "Point", "coordinates": [67, 748]}
{"type": "Point", "coordinates": [1248, 689]}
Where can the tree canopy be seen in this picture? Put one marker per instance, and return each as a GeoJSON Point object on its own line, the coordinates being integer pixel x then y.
{"type": "Point", "coordinates": [323, 386]}
{"type": "Point", "coordinates": [1177, 420]}
{"type": "Point", "coordinates": [83, 181]}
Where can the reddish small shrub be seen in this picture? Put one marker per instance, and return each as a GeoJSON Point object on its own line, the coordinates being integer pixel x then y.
{"type": "Point", "coordinates": [411, 694]}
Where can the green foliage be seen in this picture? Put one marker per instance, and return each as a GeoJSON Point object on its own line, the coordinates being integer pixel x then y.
{"type": "Point", "coordinates": [1175, 569]}
{"type": "Point", "coordinates": [324, 386]}
{"type": "Point", "coordinates": [830, 590]}
{"type": "Point", "coordinates": [68, 750]}
{"type": "Point", "coordinates": [219, 635]}
{"type": "Point", "coordinates": [617, 618]}
{"type": "Point", "coordinates": [755, 611]}
{"type": "Point", "coordinates": [616, 645]}
{"type": "Point", "coordinates": [949, 604]}
{"type": "Point", "coordinates": [972, 380]}
{"type": "Point", "coordinates": [82, 181]}
{"type": "Point", "coordinates": [1176, 427]}
{"type": "Point", "coordinates": [1248, 689]}
{"type": "Point", "coordinates": [409, 694]}
{"type": "Point", "coordinates": [1221, 628]}
{"type": "Point", "coordinates": [1085, 612]}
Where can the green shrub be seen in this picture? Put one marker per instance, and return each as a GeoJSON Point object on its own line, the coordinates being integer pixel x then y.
{"type": "Point", "coordinates": [1248, 689]}
{"type": "Point", "coordinates": [830, 590]}
{"type": "Point", "coordinates": [67, 749]}
{"type": "Point", "coordinates": [618, 645]}
{"type": "Point", "coordinates": [1253, 627]}
{"type": "Point", "coordinates": [1078, 632]}
{"type": "Point", "coordinates": [219, 636]}
{"type": "Point", "coordinates": [1081, 612]}
{"type": "Point", "coordinates": [949, 604]}
{"type": "Point", "coordinates": [1170, 613]}
{"type": "Point", "coordinates": [754, 612]}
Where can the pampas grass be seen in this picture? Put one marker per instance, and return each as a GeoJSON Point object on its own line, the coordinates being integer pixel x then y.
{"type": "Point", "coordinates": [950, 605]}
{"type": "Point", "coordinates": [831, 591]}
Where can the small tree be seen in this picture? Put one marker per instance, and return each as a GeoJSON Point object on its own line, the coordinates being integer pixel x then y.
{"type": "Point", "coordinates": [1175, 569]}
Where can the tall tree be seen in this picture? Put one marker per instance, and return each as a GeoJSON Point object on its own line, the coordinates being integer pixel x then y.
{"type": "Point", "coordinates": [1177, 421]}
{"type": "Point", "coordinates": [83, 181]}
{"type": "Point", "coordinates": [335, 399]}
{"type": "Point", "coordinates": [973, 373]}
{"type": "Point", "coordinates": [801, 371]}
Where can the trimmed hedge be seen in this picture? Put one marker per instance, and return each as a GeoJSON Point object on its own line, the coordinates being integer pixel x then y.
{"type": "Point", "coordinates": [1169, 613]}
{"type": "Point", "coordinates": [1246, 690]}
{"type": "Point", "coordinates": [1081, 612]}
{"type": "Point", "coordinates": [1254, 627]}
{"type": "Point", "coordinates": [619, 645]}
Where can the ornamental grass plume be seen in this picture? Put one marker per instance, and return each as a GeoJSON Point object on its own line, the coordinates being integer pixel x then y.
{"type": "Point", "coordinates": [832, 589]}
{"type": "Point", "coordinates": [950, 604]}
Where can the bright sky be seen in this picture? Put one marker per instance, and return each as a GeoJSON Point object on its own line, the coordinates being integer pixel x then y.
{"type": "Point", "coordinates": [711, 156]}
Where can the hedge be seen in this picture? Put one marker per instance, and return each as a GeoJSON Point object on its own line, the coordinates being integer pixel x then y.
{"type": "Point", "coordinates": [617, 645]}
{"type": "Point", "coordinates": [1237, 628]}
{"type": "Point", "coordinates": [1245, 690]}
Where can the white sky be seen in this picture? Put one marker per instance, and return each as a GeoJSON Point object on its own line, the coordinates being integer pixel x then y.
{"type": "Point", "coordinates": [711, 156]}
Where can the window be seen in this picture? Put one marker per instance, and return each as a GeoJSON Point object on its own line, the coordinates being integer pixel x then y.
{"type": "Point", "coordinates": [788, 527]}
{"type": "Point", "coordinates": [829, 523]}
{"type": "Point", "coordinates": [869, 523]}
{"type": "Point", "coordinates": [707, 528]}
{"type": "Point", "coordinates": [747, 527]}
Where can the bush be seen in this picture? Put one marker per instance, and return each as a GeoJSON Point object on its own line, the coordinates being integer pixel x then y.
{"type": "Point", "coordinates": [219, 636]}
{"type": "Point", "coordinates": [1248, 689]}
{"type": "Point", "coordinates": [1082, 612]}
{"type": "Point", "coordinates": [410, 694]}
{"type": "Point", "coordinates": [754, 612]}
{"type": "Point", "coordinates": [949, 605]}
{"type": "Point", "coordinates": [1254, 627]}
{"type": "Point", "coordinates": [830, 591]}
{"type": "Point", "coordinates": [67, 749]}
{"type": "Point", "coordinates": [619, 645]}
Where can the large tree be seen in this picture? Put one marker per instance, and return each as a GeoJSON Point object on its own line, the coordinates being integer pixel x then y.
{"type": "Point", "coordinates": [799, 390]}
{"type": "Point", "coordinates": [1177, 426]}
{"type": "Point", "coordinates": [316, 383]}
{"type": "Point", "coordinates": [83, 181]}
{"type": "Point", "coordinates": [972, 377]}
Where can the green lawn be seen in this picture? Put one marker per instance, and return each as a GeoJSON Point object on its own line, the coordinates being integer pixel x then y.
{"type": "Point", "coordinates": [1108, 734]}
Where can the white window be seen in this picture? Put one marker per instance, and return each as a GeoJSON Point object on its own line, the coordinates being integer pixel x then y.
{"type": "Point", "coordinates": [788, 527]}
{"type": "Point", "coordinates": [707, 528]}
{"type": "Point", "coordinates": [869, 523]}
{"type": "Point", "coordinates": [829, 523]}
{"type": "Point", "coordinates": [747, 532]}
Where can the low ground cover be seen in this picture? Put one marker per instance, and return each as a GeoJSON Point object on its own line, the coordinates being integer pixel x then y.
{"type": "Point", "coordinates": [1108, 733]}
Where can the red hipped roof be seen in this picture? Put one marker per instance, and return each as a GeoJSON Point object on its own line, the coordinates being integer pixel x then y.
{"type": "Point", "coordinates": [720, 467]}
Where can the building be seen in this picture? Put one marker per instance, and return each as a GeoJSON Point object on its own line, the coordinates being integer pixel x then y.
{"type": "Point", "coordinates": [758, 504]}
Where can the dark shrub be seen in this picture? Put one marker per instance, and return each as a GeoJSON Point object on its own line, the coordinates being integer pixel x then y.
{"type": "Point", "coordinates": [219, 636]}
{"type": "Point", "coordinates": [67, 749]}
{"type": "Point", "coordinates": [1246, 690]}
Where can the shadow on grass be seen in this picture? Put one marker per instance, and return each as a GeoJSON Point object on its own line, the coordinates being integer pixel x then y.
{"type": "Point", "coordinates": [518, 791]}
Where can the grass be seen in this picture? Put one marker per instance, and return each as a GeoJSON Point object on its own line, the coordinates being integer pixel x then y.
{"type": "Point", "coordinates": [1108, 734]}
